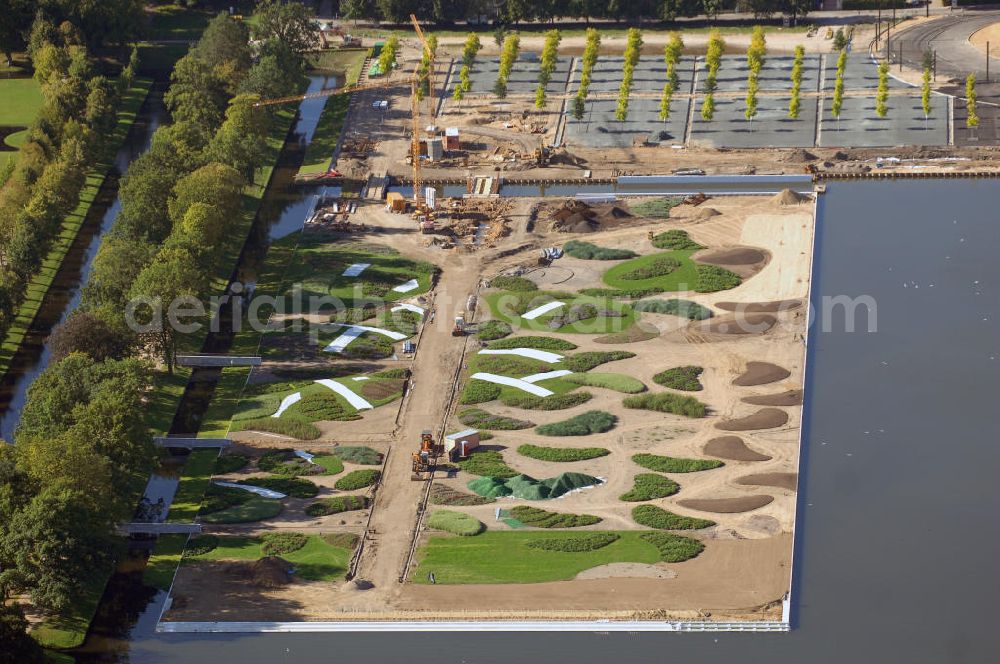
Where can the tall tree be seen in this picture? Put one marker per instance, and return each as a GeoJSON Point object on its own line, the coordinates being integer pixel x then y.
{"type": "Point", "coordinates": [971, 117]}
{"type": "Point", "coordinates": [285, 22]}
{"type": "Point", "coordinates": [241, 141]}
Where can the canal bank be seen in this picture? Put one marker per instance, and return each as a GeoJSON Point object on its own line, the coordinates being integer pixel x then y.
{"type": "Point", "coordinates": [897, 464]}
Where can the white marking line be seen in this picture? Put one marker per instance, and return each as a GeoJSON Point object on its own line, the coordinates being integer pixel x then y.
{"type": "Point", "coordinates": [407, 287]}
{"type": "Point", "coordinates": [352, 332]}
{"type": "Point", "coordinates": [287, 402]}
{"type": "Point", "coordinates": [514, 382]}
{"type": "Point", "coordinates": [544, 309]}
{"type": "Point", "coordinates": [408, 307]}
{"type": "Point", "coordinates": [534, 378]}
{"type": "Point", "coordinates": [355, 269]}
{"type": "Point", "coordinates": [533, 353]}
{"type": "Point", "coordinates": [259, 490]}
{"type": "Point", "coordinates": [344, 391]}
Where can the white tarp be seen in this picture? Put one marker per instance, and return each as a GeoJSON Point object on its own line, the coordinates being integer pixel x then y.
{"type": "Point", "coordinates": [544, 309]}
{"type": "Point", "coordinates": [514, 382]}
{"type": "Point", "coordinates": [407, 287]}
{"type": "Point", "coordinates": [302, 454]}
{"type": "Point", "coordinates": [356, 269]}
{"type": "Point", "coordinates": [405, 306]}
{"type": "Point", "coordinates": [259, 490]}
{"type": "Point", "coordinates": [352, 332]}
{"type": "Point", "coordinates": [533, 353]}
{"type": "Point", "coordinates": [287, 402]}
{"type": "Point", "coordinates": [534, 378]}
{"type": "Point", "coordinates": [344, 391]}
{"type": "Point", "coordinates": [357, 378]}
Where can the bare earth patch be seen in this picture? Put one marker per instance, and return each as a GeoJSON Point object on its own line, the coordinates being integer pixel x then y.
{"type": "Point", "coordinates": [742, 323]}
{"type": "Point", "coordinates": [727, 505]}
{"type": "Point", "coordinates": [733, 448]}
{"type": "Point", "coordinates": [788, 398]}
{"type": "Point", "coordinates": [779, 480]}
{"type": "Point", "coordinates": [732, 256]}
{"type": "Point", "coordinates": [761, 373]}
{"type": "Point", "coordinates": [765, 418]}
{"type": "Point", "coordinates": [627, 570]}
{"type": "Point", "coordinates": [760, 307]}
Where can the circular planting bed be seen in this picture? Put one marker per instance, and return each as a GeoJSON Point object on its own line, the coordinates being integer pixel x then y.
{"type": "Point", "coordinates": [761, 373]}
{"type": "Point", "coordinates": [780, 480]}
{"type": "Point", "coordinates": [765, 418]}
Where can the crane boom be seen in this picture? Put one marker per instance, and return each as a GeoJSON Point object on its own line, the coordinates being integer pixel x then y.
{"type": "Point", "coordinates": [430, 58]}
{"type": "Point", "coordinates": [326, 92]}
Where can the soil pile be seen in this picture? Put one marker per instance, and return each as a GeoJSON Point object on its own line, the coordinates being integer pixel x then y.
{"type": "Point", "coordinates": [799, 156]}
{"type": "Point", "coordinates": [779, 480]}
{"type": "Point", "coordinates": [732, 448]}
{"type": "Point", "coordinates": [765, 418]}
{"type": "Point", "coordinates": [575, 216]}
{"type": "Point", "coordinates": [727, 505]}
{"type": "Point", "coordinates": [788, 197]}
{"type": "Point", "coordinates": [788, 398]}
{"type": "Point", "coordinates": [703, 213]}
{"type": "Point", "coordinates": [761, 373]}
{"type": "Point", "coordinates": [270, 572]}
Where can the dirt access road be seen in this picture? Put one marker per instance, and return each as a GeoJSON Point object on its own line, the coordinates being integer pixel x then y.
{"type": "Point", "coordinates": [435, 366]}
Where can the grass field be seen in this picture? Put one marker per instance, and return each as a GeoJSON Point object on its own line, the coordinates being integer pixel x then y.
{"type": "Point", "coordinates": [39, 285]}
{"type": "Point", "coordinates": [163, 561]}
{"type": "Point", "coordinates": [196, 475]}
{"type": "Point", "coordinates": [503, 308]}
{"type": "Point", "coordinates": [684, 278]}
{"type": "Point", "coordinates": [320, 151]}
{"type": "Point", "coordinates": [70, 629]}
{"type": "Point", "coordinates": [22, 97]}
{"type": "Point", "coordinates": [505, 557]}
{"type": "Point", "coordinates": [316, 561]}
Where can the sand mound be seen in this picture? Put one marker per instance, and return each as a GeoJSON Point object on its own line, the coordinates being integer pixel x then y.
{"type": "Point", "coordinates": [765, 418]}
{"type": "Point", "coordinates": [761, 373]}
{"type": "Point", "coordinates": [732, 448]}
{"type": "Point", "coordinates": [777, 306]}
{"type": "Point", "coordinates": [733, 256]}
{"type": "Point", "coordinates": [763, 523]}
{"type": "Point", "coordinates": [270, 572]}
{"type": "Point", "coordinates": [627, 570]}
{"type": "Point", "coordinates": [788, 197]}
{"type": "Point", "coordinates": [727, 505]}
{"type": "Point", "coordinates": [736, 324]}
{"type": "Point", "coordinates": [789, 398]}
{"type": "Point", "coordinates": [779, 480]}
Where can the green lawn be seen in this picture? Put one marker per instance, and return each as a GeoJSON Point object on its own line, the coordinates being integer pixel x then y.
{"type": "Point", "coordinates": [197, 474]}
{"type": "Point", "coordinates": [163, 561]}
{"type": "Point", "coordinates": [22, 97]}
{"type": "Point", "coordinates": [319, 153]}
{"type": "Point", "coordinates": [316, 561]}
{"type": "Point", "coordinates": [343, 61]}
{"type": "Point", "coordinates": [684, 278]}
{"type": "Point", "coordinates": [70, 629]}
{"type": "Point", "coordinates": [39, 285]}
{"type": "Point", "coordinates": [257, 508]}
{"type": "Point", "coordinates": [173, 22]}
{"type": "Point", "coordinates": [505, 557]}
{"type": "Point", "coordinates": [502, 308]}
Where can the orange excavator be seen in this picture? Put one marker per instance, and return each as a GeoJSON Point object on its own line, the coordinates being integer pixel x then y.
{"type": "Point", "coordinates": [425, 461]}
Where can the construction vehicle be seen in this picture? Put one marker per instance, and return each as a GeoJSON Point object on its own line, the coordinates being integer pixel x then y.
{"type": "Point", "coordinates": [425, 461]}
{"type": "Point", "coordinates": [460, 328]}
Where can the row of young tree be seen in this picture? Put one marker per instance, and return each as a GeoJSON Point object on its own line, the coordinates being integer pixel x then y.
{"type": "Point", "coordinates": [514, 12]}
{"type": "Point", "coordinates": [83, 447]}
{"type": "Point", "coordinates": [73, 129]}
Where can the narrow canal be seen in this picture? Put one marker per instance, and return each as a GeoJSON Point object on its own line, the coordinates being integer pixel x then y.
{"type": "Point", "coordinates": [896, 540]}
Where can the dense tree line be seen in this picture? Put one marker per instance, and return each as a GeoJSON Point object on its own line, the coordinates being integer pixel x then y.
{"type": "Point", "coordinates": [72, 130]}
{"type": "Point", "coordinates": [514, 12]}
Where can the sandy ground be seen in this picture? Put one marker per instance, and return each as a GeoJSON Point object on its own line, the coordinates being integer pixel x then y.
{"type": "Point", "coordinates": [991, 35]}
{"type": "Point", "coordinates": [746, 562]}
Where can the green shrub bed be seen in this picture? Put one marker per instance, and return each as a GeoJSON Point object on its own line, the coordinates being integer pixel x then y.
{"type": "Point", "coordinates": [681, 378]}
{"type": "Point", "coordinates": [538, 343]}
{"type": "Point", "coordinates": [283, 426]}
{"type": "Point", "coordinates": [229, 463]}
{"type": "Point", "coordinates": [321, 406]}
{"type": "Point", "coordinates": [675, 240]}
{"type": "Point", "coordinates": [539, 518]}
{"type": "Point", "coordinates": [510, 283]}
{"type": "Point", "coordinates": [683, 308]}
{"type": "Point", "coordinates": [359, 454]}
{"type": "Point", "coordinates": [552, 402]}
{"type": "Point", "coordinates": [358, 479]}
{"type": "Point", "coordinates": [444, 495]}
{"type": "Point", "coordinates": [674, 548]}
{"type": "Point", "coordinates": [276, 544]}
{"type": "Point", "coordinates": [295, 487]}
{"type": "Point", "coordinates": [218, 498]}
{"type": "Point", "coordinates": [457, 523]}
{"type": "Point", "coordinates": [652, 516]}
{"type": "Point", "coordinates": [621, 293]}
{"type": "Point", "coordinates": [336, 505]}
{"type": "Point", "coordinates": [665, 464]}
{"type": "Point", "coordinates": [583, 362]}
{"type": "Point", "coordinates": [712, 278]}
{"type": "Point", "coordinates": [610, 381]}
{"type": "Point", "coordinates": [584, 424]}
{"type": "Point", "coordinates": [478, 391]}
{"type": "Point", "coordinates": [648, 486]}
{"type": "Point", "coordinates": [487, 463]}
{"type": "Point", "coordinates": [590, 542]}
{"type": "Point", "coordinates": [493, 329]}
{"type": "Point", "coordinates": [199, 546]}
{"type": "Point", "coordinates": [588, 251]}
{"type": "Point", "coordinates": [667, 402]}
{"type": "Point", "coordinates": [285, 463]}
{"type": "Point", "coordinates": [256, 508]}
{"type": "Point", "coordinates": [659, 267]}
{"type": "Point", "coordinates": [562, 454]}
{"type": "Point", "coordinates": [480, 419]}
{"type": "Point", "coordinates": [654, 208]}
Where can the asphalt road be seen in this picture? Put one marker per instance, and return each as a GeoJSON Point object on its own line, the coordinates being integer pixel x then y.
{"type": "Point", "coordinates": [948, 36]}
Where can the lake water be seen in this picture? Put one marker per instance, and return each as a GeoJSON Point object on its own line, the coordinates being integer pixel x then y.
{"type": "Point", "coordinates": [898, 535]}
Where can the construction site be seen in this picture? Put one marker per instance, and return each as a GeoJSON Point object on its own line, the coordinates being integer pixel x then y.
{"type": "Point", "coordinates": [569, 362]}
